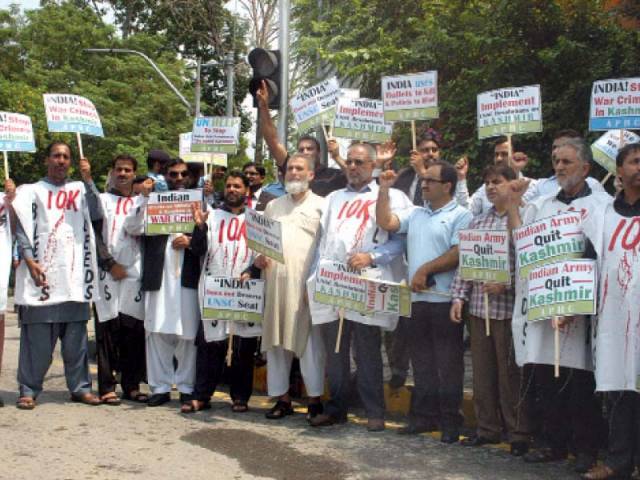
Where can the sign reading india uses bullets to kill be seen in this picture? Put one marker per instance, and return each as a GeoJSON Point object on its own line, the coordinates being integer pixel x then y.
{"type": "Point", "coordinates": [410, 97]}
{"type": "Point", "coordinates": [170, 212]}
{"type": "Point", "coordinates": [484, 256]}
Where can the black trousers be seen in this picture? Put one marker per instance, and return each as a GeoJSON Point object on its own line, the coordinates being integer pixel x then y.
{"type": "Point", "coordinates": [624, 431]}
{"type": "Point", "coordinates": [572, 412]}
{"type": "Point", "coordinates": [211, 365]}
{"type": "Point", "coordinates": [437, 354]}
{"type": "Point", "coordinates": [395, 344]}
{"type": "Point", "coordinates": [120, 348]}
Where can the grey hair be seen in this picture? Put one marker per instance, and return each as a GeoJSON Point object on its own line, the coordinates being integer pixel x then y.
{"type": "Point", "coordinates": [310, 159]}
{"type": "Point", "coordinates": [583, 150]}
{"type": "Point", "coordinates": [371, 150]}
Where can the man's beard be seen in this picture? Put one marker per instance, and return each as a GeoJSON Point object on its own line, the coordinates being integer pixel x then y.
{"type": "Point", "coordinates": [234, 201]}
{"type": "Point", "coordinates": [295, 187]}
{"type": "Point", "coordinates": [569, 183]}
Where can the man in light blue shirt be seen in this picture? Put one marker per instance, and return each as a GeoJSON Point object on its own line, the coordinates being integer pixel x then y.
{"type": "Point", "coordinates": [156, 163]}
{"type": "Point", "coordinates": [435, 348]}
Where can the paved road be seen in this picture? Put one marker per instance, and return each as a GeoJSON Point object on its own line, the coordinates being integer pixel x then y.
{"type": "Point", "coordinates": [62, 440]}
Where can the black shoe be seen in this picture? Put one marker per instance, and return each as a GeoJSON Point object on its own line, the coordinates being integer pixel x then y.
{"type": "Point", "coordinates": [416, 429]}
{"type": "Point", "coordinates": [584, 462]}
{"type": "Point", "coordinates": [280, 410]}
{"type": "Point", "coordinates": [450, 436]}
{"type": "Point", "coordinates": [314, 409]}
{"type": "Point", "coordinates": [518, 449]}
{"type": "Point", "coordinates": [396, 381]}
{"type": "Point", "coordinates": [545, 455]}
{"type": "Point", "coordinates": [158, 399]}
{"type": "Point", "coordinates": [477, 441]}
{"type": "Point", "coordinates": [1, 403]}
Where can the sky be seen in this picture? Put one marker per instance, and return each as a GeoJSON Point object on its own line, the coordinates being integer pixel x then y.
{"type": "Point", "coordinates": [25, 4]}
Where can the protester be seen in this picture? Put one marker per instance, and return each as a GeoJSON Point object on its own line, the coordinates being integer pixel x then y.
{"type": "Point", "coordinates": [257, 198]}
{"type": "Point", "coordinates": [7, 227]}
{"type": "Point", "coordinates": [157, 161]}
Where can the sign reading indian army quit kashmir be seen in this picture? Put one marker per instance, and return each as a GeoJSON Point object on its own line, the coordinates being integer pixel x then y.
{"type": "Point", "coordinates": [550, 239]}
{"type": "Point", "coordinates": [615, 104]}
{"type": "Point", "coordinates": [339, 285]}
{"type": "Point", "coordinates": [264, 235]}
{"type": "Point", "coordinates": [361, 119]}
{"type": "Point", "coordinates": [410, 97]}
{"type": "Point", "coordinates": [605, 149]}
{"type": "Point", "coordinates": [215, 134]}
{"type": "Point", "coordinates": [509, 110]}
{"type": "Point", "coordinates": [170, 212]}
{"type": "Point", "coordinates": [72, 113]}
{"type": "Point", "coordinates": [16, 133]}
{"type": "Point", "coordinates": [231, 299]}
{"type": "Point", "coordinates": [316, 105]}
{"type": "Point", "coordinates": [187, 155]}
{"type": "Point", "coordinates": [562, 288]}
{"type": "Point", "coordinates": [484, 256]}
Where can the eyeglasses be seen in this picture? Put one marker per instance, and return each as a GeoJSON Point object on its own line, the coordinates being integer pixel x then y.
{"type": "Point", "coordinates": [178, 174]}
{"type": "Point", "coordinates": [357, 162]}
{"type": "Point", "coordinates": [429, 181]}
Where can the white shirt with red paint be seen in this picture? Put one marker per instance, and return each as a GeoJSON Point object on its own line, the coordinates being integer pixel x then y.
{"type": "Point", "coordinates": [5, 253]}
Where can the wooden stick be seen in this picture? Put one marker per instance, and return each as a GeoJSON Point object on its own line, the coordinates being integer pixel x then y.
{"type": "Point", "coordinates": [556, 337]}
{"type": "Point", "coordinates": [79, 140]}
{"type": "Point", "coordinates": [487, 324]}
{"type": "Point", "coordinates": [510, 150]}
{"type": "Point", "coordinates": [6, 165]}
{"type": "Point", "coordinates": [604, 180]}
{"type": "Point", "coordinates": [326, 134]}
{"type": "Point", "coordinates": [413, 134]}
{"type": "Point", "coordinates": [340, 325]}
{"type": "Point", "coordinates": [230, 344]}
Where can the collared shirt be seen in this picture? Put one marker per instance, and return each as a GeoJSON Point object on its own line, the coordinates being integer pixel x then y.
{"type": "Point", "coordinates": [550, 186]}
{"type": "Point", "coordinates": [276, 189]}
{"type": "Point", "coordinates": [623, 208]}
{"type": "Point", "coordinates": [479, 202]}
{"type": "Point", "coordinates": [500, 306]}
{"type": "Point", "coordinates": [562, 196]}
{"type": "Point", "coordinates": [430, 234]}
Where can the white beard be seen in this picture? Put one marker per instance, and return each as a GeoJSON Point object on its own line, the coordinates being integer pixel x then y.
{"type": "Point", "coordinates": [294, 188]}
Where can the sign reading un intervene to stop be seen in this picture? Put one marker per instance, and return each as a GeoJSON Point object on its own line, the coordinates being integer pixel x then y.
{"type": "Point", "coordinates": [509, 110]}
{"type": "Point", "coordinates": [339, 285]}
{"type": "Point", "coordinates": [215, 134]}
{"type": "Point", "coordinates": [548, 240]}
{"type": "Point", "coordinates": [264, 235]}
{"type": "Point", "coordinates": [615, 104]}
{"type": "Point", "coordinates": [361, 119]}
{"type": "Point", "coordinates": [561, 289]}
{"type": "Point", "coordinates": [72, 113]}
{"type": "Point", "coordinates": [410, 97]}
{"type": "Point", "coordinates": [605, 149]}
{"type": "Point", "coordinates": [16, 133]}
{"type": "Point", "coordinates": [233, 300]}
{"type": "Point", "coordinates": [316, 105]}
{"type": "Point", "coordinates": [484, 256]}
{"type": "Point", "coordinates": [170, 212]}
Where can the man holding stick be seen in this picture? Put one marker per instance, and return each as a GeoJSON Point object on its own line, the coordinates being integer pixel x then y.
{"type": "Point", "coordinates": [435, 348]}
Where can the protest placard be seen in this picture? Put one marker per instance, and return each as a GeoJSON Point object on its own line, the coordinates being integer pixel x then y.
{"type": "Point", "coordinates": [562, 289]}
{"type": "Point", "coordinates": [615, 104]}
{"type": "Point", "coordinates": [316, 105]}
{"type": "Point", "coordinates": [361, 119]}
{"type": "Point", "coordinates": [484, 256]}
{"type": "Point", "coordinates": [233, 300]}
{"type": "Point", "coordinates": [605, 149]}
{"type": "Point", "coordinates": [72, 113]}
{"type": "Point", "coordinates": [548, 240]}
{"type": "Point", "coordinates": [410, 97]}
{"type": "Point", "coordinates": [509, 110]}
{"type": "Point", "coordinates": [339, 285]}
{"type": "Point", "coordinates": [188, 156]}
{"type": "Point", "coordinates": [264, 235]}
{"type": "Point", "coordinates": [16, 133]}
{"type": "Point", "coordinates": [215, 134]}
{"type": "Point", "coordinates": [170, 212]}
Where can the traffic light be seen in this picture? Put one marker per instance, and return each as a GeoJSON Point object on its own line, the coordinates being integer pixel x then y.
{"type": "Point", "coordinates": [266, 65]}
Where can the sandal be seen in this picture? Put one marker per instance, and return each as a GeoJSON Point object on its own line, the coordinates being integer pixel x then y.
{"type": "Point", "coordinates": [87, 398]}
{"type": "Point", "coordinates": [280, 410]}
{"type": "Point", "coordinates": [26, 403]}
{"type": "Point", "coordinates": [136, 396]}
{"type": "Point", "coordinates": [110, 398]}
{"type": "Point", "coordinates": [239, 407]}
{"type": "Point", "coordinates": [195, 406]}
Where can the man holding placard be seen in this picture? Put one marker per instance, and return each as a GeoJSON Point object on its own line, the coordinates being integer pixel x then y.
{"type": "Point", "coordinates": [7, 226]}
{"type": "Point", "coordinates": [547, 232]}
{"type": "Point", "coordinates": [57, 279]}
{"type": "Point", "coordinates": [484, 281]}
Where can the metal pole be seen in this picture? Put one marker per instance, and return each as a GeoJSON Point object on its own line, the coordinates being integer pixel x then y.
{"type": "Point", "coordinates": [228, 66]}
{"type": "Point", "coordinates": [198, 87]}
{"type": "Point", "coordinates": [284, 79]}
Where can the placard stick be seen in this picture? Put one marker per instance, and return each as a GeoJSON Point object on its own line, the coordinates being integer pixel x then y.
{"type": "Point", "coordinates": [510, 149]}
{"type": "Point", "coordinates": [556, 341]}
{"type": "Point", "coordinates": [230, 344]}
{"type": "Point", "coordinates": [79, 140]}
{"type": "Point", "coordinates": [340, 325]}
{"type": "Point", "coordinates": [487, 324]}
{"type": "Point", "coordinates": [326, 134]}
{"type": "Point", "coordinates": [413, 134]}
{"type": "Point", "coordinates": [6, 165]}
{"type": "Point", "coordinates": [604, 180]}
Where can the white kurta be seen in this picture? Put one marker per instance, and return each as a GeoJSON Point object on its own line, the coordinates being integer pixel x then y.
{"type": "Point", "coordinates": [5, 253]}
{"type": "Point", "coordinates": [616, 329]}
{"type": "Point", "coordinates": [348, 227]}
{"type": "Point", "coordinates": [534, 341]}
{"type": "Point", "coordinates": [123, 296]}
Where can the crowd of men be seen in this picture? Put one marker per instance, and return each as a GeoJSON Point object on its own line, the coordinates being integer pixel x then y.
{"type": "Point", "coordinates": [78, 246]}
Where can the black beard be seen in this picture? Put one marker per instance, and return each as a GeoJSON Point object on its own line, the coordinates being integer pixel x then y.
{"type": "Point", "coordinates": [230, 203]}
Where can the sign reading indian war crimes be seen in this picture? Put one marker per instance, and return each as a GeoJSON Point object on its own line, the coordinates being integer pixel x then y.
{"type": "Point", "coordinates": [215, 134]}
{"type": "Point", "coordinates": [605, 149]}
{"type": "Point", "coordinates": [170, 212]}
{"type": "Point", "coordinates": [509, 110]}
{"type": "Point", "coordinates": [410, 97]}
{"type": "Point", "coordinates": [264, 235]}
{"type": "Point", "coordinates": [615, 104]}
{"type": "Point", "coordinates": [231, 299]}
{"type": "Point", "coordinates": [550, 239]}
{"type": "Point", "coordinates": [72, 113]}
{"type": "Point", "coordinates": [188, 156]}
{"type": "Point", "coordinates": [316, 105]}
{"type": "Point", "coordinates": [16, 133]}
{"type": "Point", "coordinates": [562, 288]}
{"type": "Point", "coordinates": [339, 285]}
{"type": "Point", "coordinates": [484, 256]}
{"type": "Point", "coordinates": [361, 119]}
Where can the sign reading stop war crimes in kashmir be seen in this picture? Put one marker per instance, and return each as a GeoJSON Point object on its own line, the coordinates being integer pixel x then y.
{"type": "Point", "coordinates": [184, 147]}
{"type": "Point", "coordinates": [316, 105]}
{"type": "Point", "coordinates": [72, 113]}
{"type": "Point", "coordinates": [234, 300]}
{"type": "Point", "coordinates": [16, 133]}
{"type": "Point", "coordinates": [339, 285]}
{"type": "Point", "coordinates": [509, 110]}
{"type": "Point", "coordinates": [484, 256]}
{"type": "Point", "coordinates": [562, 288]}
{"type": "Point", "coordinates": [548, 240]}
{"type": "Point", "coordinates": [605, 149]}
{"type": "Point", "coordinates": [215, 134]}
{"type": "Point", "coordinates": [411, 97]}
{"type": "Point", "coordinates": [170, 212]}
{"type": "Point", "coordinates": [361, 119]}
{"type": "Point", "coordinates": [615, 104]}
{"type": "Point", "coordinates": [264, 235]}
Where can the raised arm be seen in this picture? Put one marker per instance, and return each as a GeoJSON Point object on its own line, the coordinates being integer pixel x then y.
{"type": "Point", "coordinates": [384, 218]}
{"type": "Point", "coordinates": [269, 131]}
